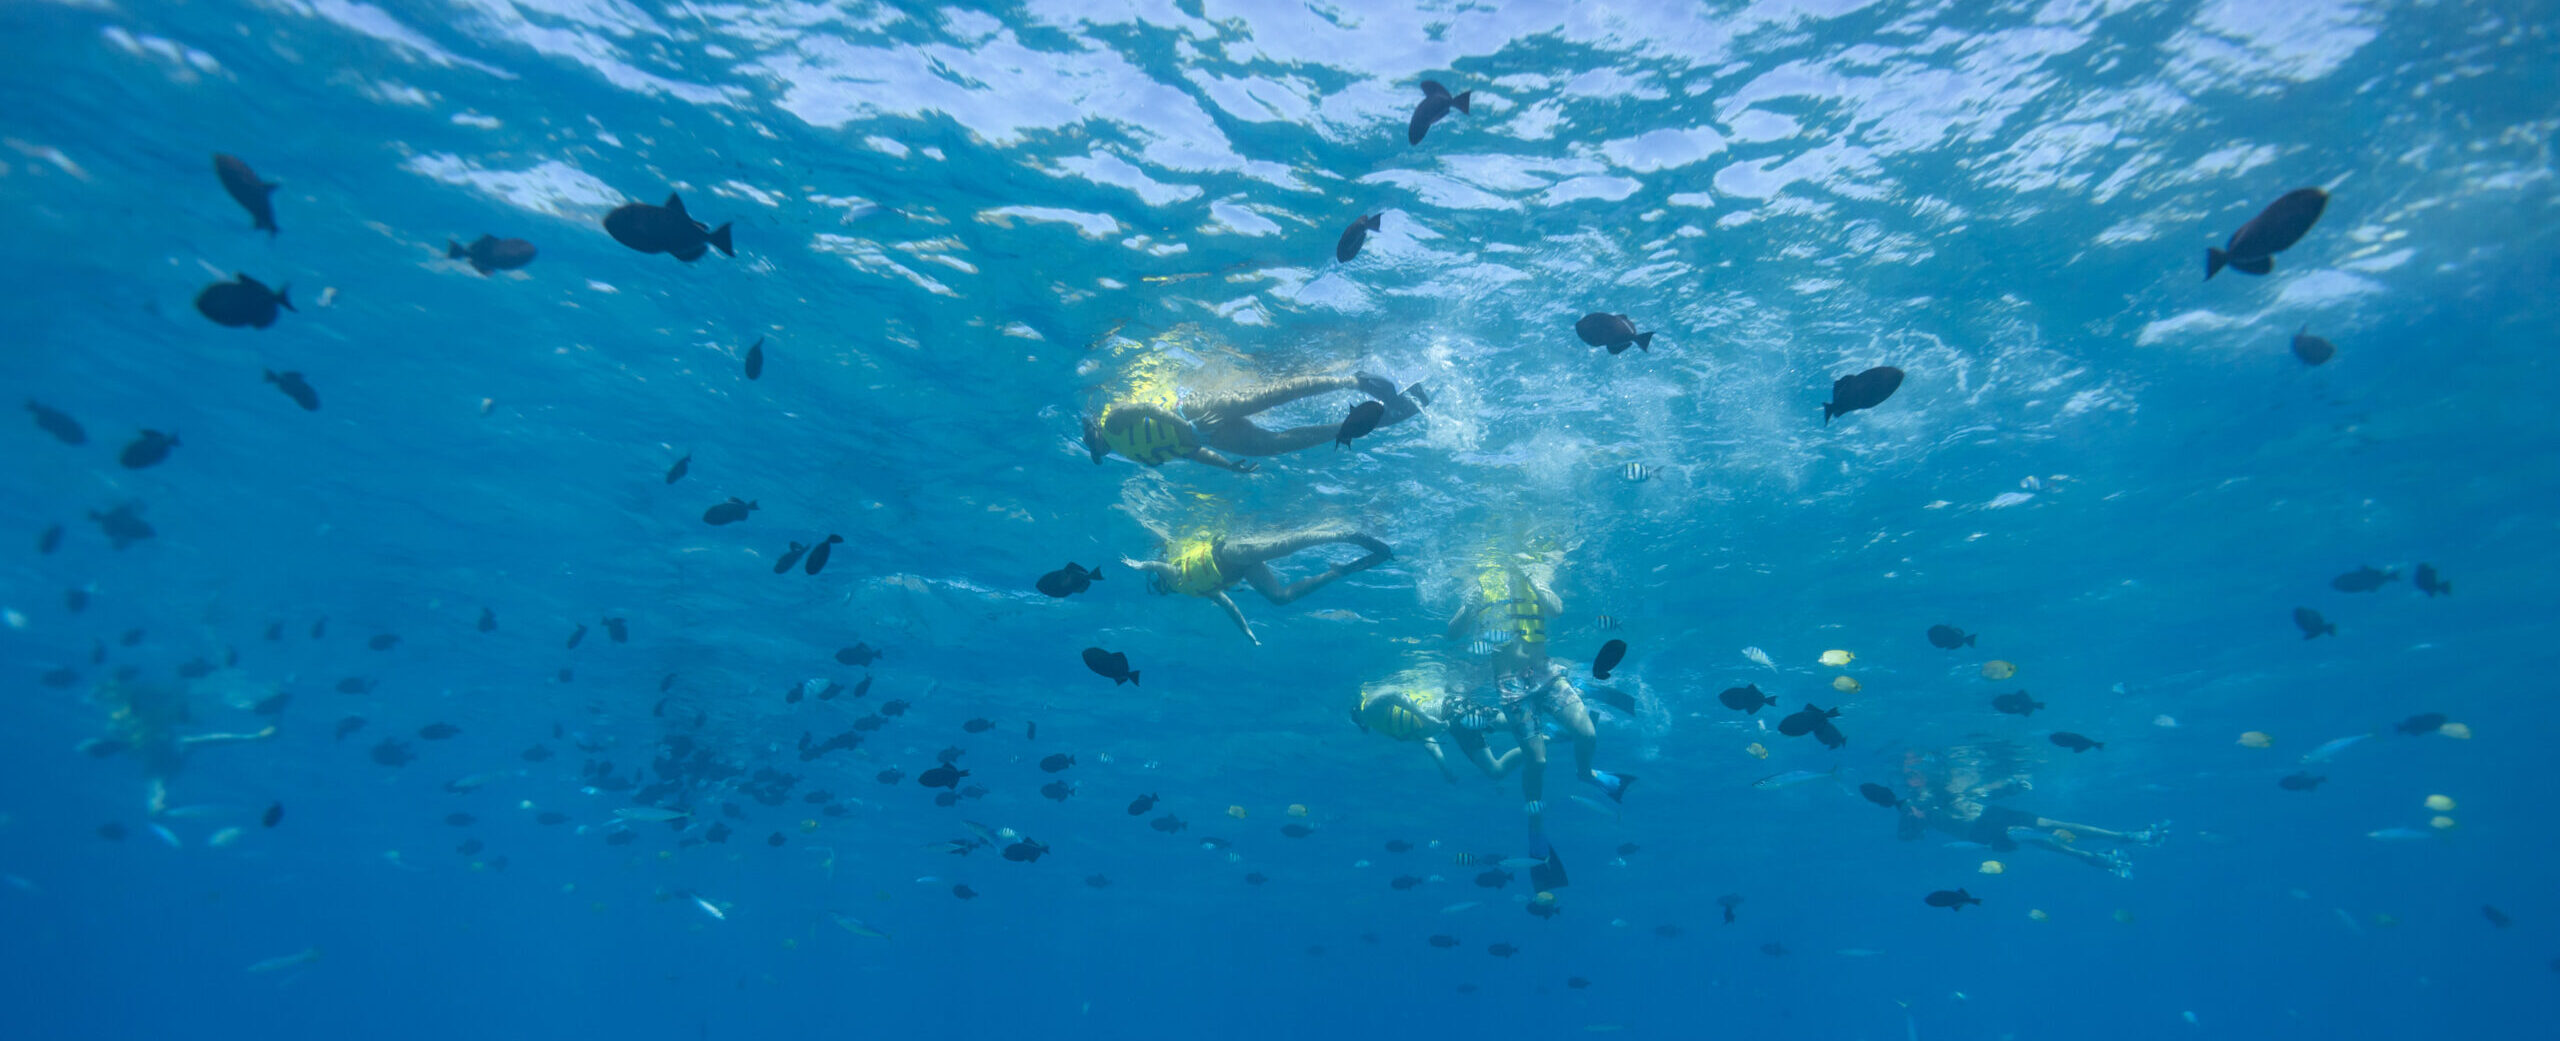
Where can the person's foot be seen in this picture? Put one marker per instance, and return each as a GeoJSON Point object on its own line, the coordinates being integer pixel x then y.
{"type": "Point", "coordinates": [1613, 785]}
{"type": "Point", "coordinates": [1376, 386]}
{"type": "Point", "coordinates": [2118, 866]}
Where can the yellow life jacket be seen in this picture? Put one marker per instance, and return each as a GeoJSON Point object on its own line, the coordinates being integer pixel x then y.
{"type": "Point", "coordinates": [1522, 613]}
{"type": "Point", "coordinates": [1394, 720]}
{"type": "Point", "coordinates": [1145, 436]}
{"type": "Point", "coordinates": [1196, 560]}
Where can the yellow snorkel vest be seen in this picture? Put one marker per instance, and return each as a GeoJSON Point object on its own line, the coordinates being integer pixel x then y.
{"type": "Point", "coordinates": [1506, 586]}
{"type": "Point", "coordinates": [1150, 439]}
{"type": "Point", "coordinates": [1394, 720]}
{"type": "Point", "coordinates": [1196, 560]}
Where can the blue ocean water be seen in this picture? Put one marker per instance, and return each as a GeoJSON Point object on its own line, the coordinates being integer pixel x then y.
{"type": "Point", "coordinates": [961, 230]}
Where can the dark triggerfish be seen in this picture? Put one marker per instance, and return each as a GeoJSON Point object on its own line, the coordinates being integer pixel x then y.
{"type": "Point", "coordinates": [1436, 102]}
{"type": "Point", "coordinates": [1356, 235]}
{"type": "Point", "coordinates": [253, 195]}
{"type": "Point", "coordinates": [1362, 419]}
{"type": "Point", "coordinates": [244, 303]}
{"type": "Point", "coordinates": [666, 229]}
{"type": "Point", "coordinates": [2311, 349]}
{"type": "Point", "coordinates": [1862, 390]}
{"type": "Point", "coordinates": [1616, 332]}
{"type": "Point", "coordinates": [490, 253]}
{"type": "Point", "coordinates": [2253, 248]}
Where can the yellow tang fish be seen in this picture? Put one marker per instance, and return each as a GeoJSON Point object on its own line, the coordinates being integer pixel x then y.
{"type": "Point", "coordinates": [2440, 803]}
{"type": "Point", "coordinates": [1992, 867]}
{"type": "Point", "coordinates": [1838, 657]}
{"type": "Point", "coordinates": [1845, 685]}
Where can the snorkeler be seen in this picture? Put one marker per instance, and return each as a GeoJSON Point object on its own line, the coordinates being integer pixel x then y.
{"type": "Point", "coordinates": [1204, 565]}
{"type": "Point", "coordinates": [1955, 801]}
{"type": "Point", "coordinates": [1222, 423]}
{"type": "Point", "coordinates": [1415, 705]}
{"type": "Point", "coordinates": [1505, 619]}
{"type": "Point", "coordinates": [143, 720]}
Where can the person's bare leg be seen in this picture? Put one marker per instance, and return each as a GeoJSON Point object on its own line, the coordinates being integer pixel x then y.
{"type": "Point", "coordinates": [2087, 830]}
{"type": "Point", "coordinates": [1533, 749]}
{"type": "Point", "coordinates": [1229, 407]}
{"type": "Point", "coordinates": [1244, 437]}
{"type": "Point", "coordinates": [1267, 582]}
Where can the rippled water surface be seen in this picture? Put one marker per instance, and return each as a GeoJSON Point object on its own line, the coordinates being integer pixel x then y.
{"type": "Point", "coordinates": [960, 230]}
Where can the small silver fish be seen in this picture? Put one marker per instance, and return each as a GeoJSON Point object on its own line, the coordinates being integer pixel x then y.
{"type": "Point", "coordinates": [1468, 905]}
{"type": "Point", "coordinates": [1792, 778]}
{"type": "Point", "coordinates": [710, 908]}
{"type": "Point", "coordinates": [648, 814]}
{"type": "Point", "coordinates": [297, 959]}
{"type": "Point", "coordinates": [2331, 748]}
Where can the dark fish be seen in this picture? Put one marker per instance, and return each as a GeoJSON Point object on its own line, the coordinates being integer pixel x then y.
{"type": "Point", "coordinates": [1436, 102]}
{"type": "Point", "coordinates": [2423, 723]}
{"type": "Point", "coordinates": [1802, 722]}
{"type": "Point", "coordinates": [1069, 580]}
{"type": "Point", "coordinates": [1030, 731]}
{"type": "Point", "coordinates": [2496, 917]}
{"type": "Point", "coordinates": [551, 818]}
{"type": "Point", "coordinates": [666, 229]}
{"type": "Point", "coordinates": [860, 654]}
{"type": "Point", "coordinates": [819, 553]}
{"type": "Point", "coordinates": [1057, 762]}
{"type": "Point", "coordinates": [490, 253]}
{"type": "Point", "coordinates": [1746, 699]}
{"type": "Point", "coordinates": [1404, 882]}
{"type": "Point", "coordinates": [960, 890]}
{"type": "Point", "coordinates": [130, 637]}
{"type": "Point", "coordinates": [1168, 824]}
{"type": "Point", "coordinates": [2076, 743]}
{"type": "Point", "coordinates": [793, 696]}
{"type": "Point", "coordinates": [1774, 949]}
{"type": "Point", "coordinates": [1025, 851]}
{"type": "Point", "coordinates": [1364, 418]}
{"type": "Point", "coordinates": [789, 557]}
{"type": "Point", "coordinates": [950, 754]}
{"type": "Point", "coordinates": [1862, 390]}
{"type": "Point", "coordinates": [2430, 583]}
{"type": "Point", "coordinates": [1399, 846]}
{"type": "Point", "coordinates": [535, 754]}
{"type": "Point", "coordinates": [618, 629]}
{"type": "Point", "coordinates": [459, 819]}
{"type": "Point", "coordinates": [195, 669]}
{"type": "Point", "coordinates": [682, 467]}
{"type": "Point", "coordinates": [392, 753]}
{"type": "Point", "coordinates": [1296, 831]}
{"type": "Point", "coordinates": [123, 526]}
{"type": "Point", "coordinates": [111, 831]}
{"type": "Point", "coordinates": [147, 450]}
{"type": "Point", "coordinates": [1501, 950]}
{"type": "Point", "coordinates": [1443, 940]}
{"type": "Point", "coordinates": [1494, 878]}
{"type": "Point", "coordinates": [1628, 849]}
{"type": "Point", "coordinates": [1057, 790]}
{"type": "Point", "coordinates": [1576, 982]}
{"type": "Point", "coordinates": [273, 816]}
{"type": "Point", "coordinates": [383, 641]}
{"type": "Point", "coordinates": [730, 512]}
{"type": "Point", "coordinates": [1879, 795]}
{"type": "Point", "coordinates": [666, 682]}
{"type": "Point", "coordinates": [253, 195]}
{"type": "Point", "coordinates": [1348, 246]}
{"type": "Point", "coordinates": [347, 726]}
{"type": "Point", "coordinates": [320, 627]}
{"type": "Point", "coordinates": [75, 600]}
{"type": "Point", "coordinates": [2299, 782]}
{"type": "Point", "coordinates": [275, 631]}
{"type": "Point", "coordinates": [1616, 332]}
{"type": "Point", "coordinates": [488, 621]}
{"type": "Point", "coordinates": [53, 421]}
{"type": "Point", "coordinates": [355, 685]}
{"type": "Point", "coordinates": [2311, 349]}
{"type": "Point", "coordinates": [576, 636]}
{"type": "Point", "coordinates": [1729, 901]}
{"type": "Point", "coordinates": [775, 840]}
{"type": "Point", "coordinates": [2364, 579]}
{"type": "Point", "coordinates": [245, 303]}
{"type": "Point", "coordinates": [1097, 882]}
{"type": "Point", "coordinates": [1139, 806]}
{"type": "Point", "coordinates": [470, 847]}
{"type": "Point", "coordinates": [50, 538]}
{"type": "Point", "coordinates": [438, 731]}
{"type": "Point", "coordinates": [1110, 665]}
{"type": "Point", "coordinates": [1952, 899]}
{"type": "Point", "coordinates": [1613, 697]}
{"type": "Point", "coordinates": [893, 708]}
{"type": "Point", "coordinates": [1669, 931]}
{"type": "Point", "coordinates": [943, 776]}
{"type": "Point", "coordinates": [1949, 637]}
{"type": "Point", "coordinates": [2253, 248]}
{"type": "Point", "coordinates": [59, 678]}
{"type": "Point", "coordinates": [1611, 653]}
{"type": "Point", "coordinates": [2312, 625]}
{"type": "Point", "coordinates": [978, 726]}
{"type": "Point", "coordinates": [623, 837]}
{"type": "Point", "coordinates": [891, 775]}
{"type": "Point", "coordinates": [946, 798]}
{"type": "Point", "coordinates": [2017, 704]}
{"type": "Point", "coordinates": [564, 675]}
{"type": "Point", "coordinates": [1829, 735]}
{"type": "Point", "coordinates": [755, 359]}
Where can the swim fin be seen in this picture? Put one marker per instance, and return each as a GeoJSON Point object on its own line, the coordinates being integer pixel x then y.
{"type": "Point", "coordinates": [1550, 875]}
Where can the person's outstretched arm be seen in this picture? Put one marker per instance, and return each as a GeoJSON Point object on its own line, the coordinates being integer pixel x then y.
{"type": "Point", "coordinates": [1236, 613]}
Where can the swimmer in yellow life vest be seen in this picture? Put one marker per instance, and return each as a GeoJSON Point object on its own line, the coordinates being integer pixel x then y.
{"type": "Point", "coordinates": [1222, 424]}
{"type": "Point", "coordinates": [1204, 565]}
{"type": "Point", "coordinates": [1414, 706]}
{"type": "Point", "coordinates": [1509, 607]}
{"type": "Point", "coordinates": [143, 721]}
